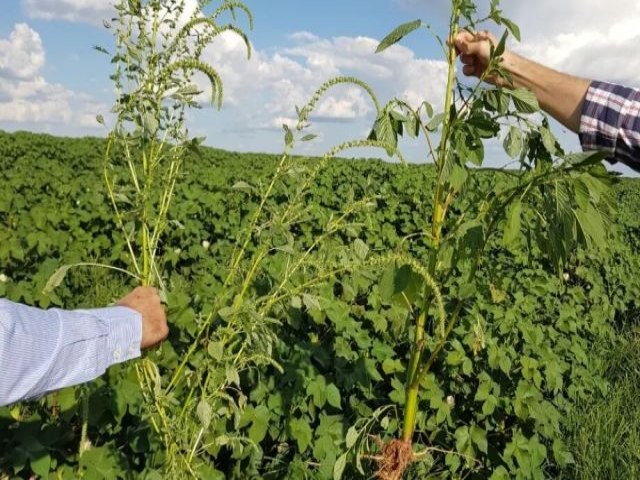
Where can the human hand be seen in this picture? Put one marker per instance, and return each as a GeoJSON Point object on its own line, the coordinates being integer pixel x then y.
{"type": "Point", "coordinates": [475, 53]}
{"type": "Point", "coordinates": [146, 301]}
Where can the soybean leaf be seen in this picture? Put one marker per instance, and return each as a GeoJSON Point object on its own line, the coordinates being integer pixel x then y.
{"type": "Point", "coordinates": [301, 432]}
{"type": "Point", "coordinates": [260, 423]}
{"type": "Point", "coordinates": [398, 34]}
{"type": "Point", "coordinates": [241, 185]}
{"type": "Point", "coordinates": [514, 142]}
{"type": "Point", "coordinates": [479, 437]}
{"type": "Point", "coordinates": [333, 396]}
{"type": "Point", "coordinates": [41, 464]}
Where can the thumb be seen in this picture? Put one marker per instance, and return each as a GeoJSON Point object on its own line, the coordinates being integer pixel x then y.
{"type": "Point", "coordinates": [464, 42]}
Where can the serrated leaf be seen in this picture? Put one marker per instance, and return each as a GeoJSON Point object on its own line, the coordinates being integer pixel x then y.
{"type": "Point", "coordinates": [216, 350]}
{"type": "Point", "coordinates": [548, 140]}
{"type": "Point", "coordinates": [204, 413]}
{"type": "Point", "coordinates": [592, 227]}
{"type": "Point", "coordinates": [360, 248]}
{"type": "Point", "coordinates": [586, 159]}
{"type": "Point", "coordinates": [398, 34]}
{"type": "Point", "coordinates": [311, 302]}
{"type": "Point", "coordinates": [513, 224]}
{"type": "Point", "coordinates": [150, 124]}
{"type": "Point", "coordinates": [317, 388]}
{"type": "Point", "coordinates": [232, 376]}
{"type": "Point", "coordinates": [525, 100]}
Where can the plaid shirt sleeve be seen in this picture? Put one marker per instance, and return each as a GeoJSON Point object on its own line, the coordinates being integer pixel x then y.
{"type": "Point", "coordinates": [610, 122]}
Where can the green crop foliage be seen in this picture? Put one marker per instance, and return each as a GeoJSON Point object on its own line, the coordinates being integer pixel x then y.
{"type": "Point", "coordinates": [325, 313]}
{"type": "Point", "coordinates": [342, 338]}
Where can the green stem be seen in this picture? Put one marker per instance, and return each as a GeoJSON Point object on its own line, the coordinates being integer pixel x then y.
{"type": "Point", "coordinates": [439, 211]}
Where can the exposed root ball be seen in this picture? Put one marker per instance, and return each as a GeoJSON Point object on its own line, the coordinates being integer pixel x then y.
{"type": "Point", "coordinates": [394, 460]}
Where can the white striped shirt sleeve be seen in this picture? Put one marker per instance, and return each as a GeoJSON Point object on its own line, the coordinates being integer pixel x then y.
{"type": "Point", "coordinates": [46, 350]}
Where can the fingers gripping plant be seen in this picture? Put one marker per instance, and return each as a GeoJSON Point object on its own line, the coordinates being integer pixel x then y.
{"type": "Point", "coordinates": [565, 201]}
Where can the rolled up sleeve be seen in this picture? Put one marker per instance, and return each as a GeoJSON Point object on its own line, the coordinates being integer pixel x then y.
{"type": "Point", "coordinates": [610, 122]}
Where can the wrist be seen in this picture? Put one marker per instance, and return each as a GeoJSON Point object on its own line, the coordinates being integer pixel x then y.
{"type": "Point", "coordinates": [509, 61]}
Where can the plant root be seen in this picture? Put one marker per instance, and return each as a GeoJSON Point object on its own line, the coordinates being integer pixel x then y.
{"type": "Point", "coordinates": [394, 459]}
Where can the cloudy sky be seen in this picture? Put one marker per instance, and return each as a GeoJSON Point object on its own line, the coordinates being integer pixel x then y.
{"type": "Point", "coordinates": [51, 79]}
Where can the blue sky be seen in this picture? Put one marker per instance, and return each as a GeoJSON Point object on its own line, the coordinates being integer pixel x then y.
{"type": "Point", "coordinates": [52, 80]}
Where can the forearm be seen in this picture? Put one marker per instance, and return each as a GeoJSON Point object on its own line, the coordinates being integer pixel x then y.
{"type": "Point", "coordinates": [45, 350]}
{"type": "Point", "coordinates": [560, 95]}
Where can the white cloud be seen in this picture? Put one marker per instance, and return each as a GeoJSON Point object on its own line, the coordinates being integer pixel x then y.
{"type": "Point", "coordinates": [22, 54]}
{"type": "Point", "coordinates": [86, 11]}
{"type": "Point", "coordinates": [266, 89]}
{"type": "Point", "coordinates": [26, 97]}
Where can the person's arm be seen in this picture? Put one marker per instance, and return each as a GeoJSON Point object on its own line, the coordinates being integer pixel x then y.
{"type": "Point", "coordinates": [606, 116]}
{"type": "Point", "coordinates": [559, 94]}
{"type": "Point", "coordinates": [46, 350]}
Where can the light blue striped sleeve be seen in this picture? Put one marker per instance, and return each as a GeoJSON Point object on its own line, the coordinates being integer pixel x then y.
{"type": "Point", "coordinates": [46, 350]}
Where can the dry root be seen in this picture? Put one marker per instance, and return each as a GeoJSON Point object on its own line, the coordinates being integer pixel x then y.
{"type": "Point", "coordinates": [394, 459]}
